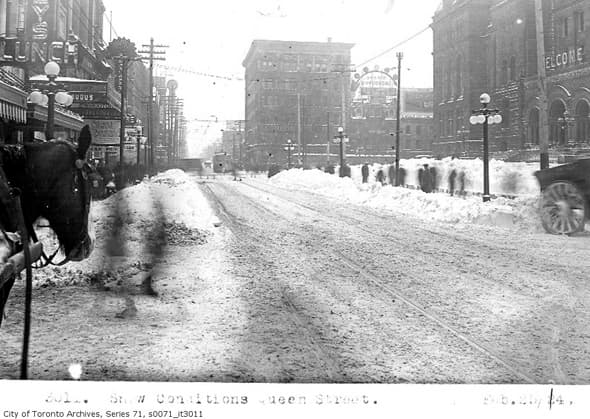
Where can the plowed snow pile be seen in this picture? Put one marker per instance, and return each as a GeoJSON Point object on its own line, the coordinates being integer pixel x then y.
{"type": "Point", "coordinates": [520, 212]}
{"type": "Point", "coordinates": [132, 225]}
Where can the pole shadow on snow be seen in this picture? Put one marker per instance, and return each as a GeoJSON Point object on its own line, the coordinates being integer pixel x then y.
{"type": "Point", "coordinates": [118, 257]}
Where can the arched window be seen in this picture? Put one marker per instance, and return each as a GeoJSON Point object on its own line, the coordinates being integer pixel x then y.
{"type": "Point", "coordinates": [583, 121]}
{"type": "Point", "coordinates": [533, 128]}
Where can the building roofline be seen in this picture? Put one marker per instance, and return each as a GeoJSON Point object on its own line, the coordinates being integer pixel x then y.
{"type": "Point", "coordinates": [279, 44]}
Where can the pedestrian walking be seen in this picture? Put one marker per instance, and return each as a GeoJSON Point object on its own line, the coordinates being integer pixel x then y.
{"type": "Point", "coordinates": [380, 176]}
{"type": "Point", "coordinates": [391, 174]}
{"type": "Point", "coordinates": [433, 178]}
{"type": "Point", "coordinates": [452, 177]}
{"type": "Point", "coordinates": [402, 176]}
{"type": "Point", "coordinates": [425, 178]}
{"type": "Point", "coordinates": [461, 182]}
{"type": "Point", "coordinates": [365, 172]}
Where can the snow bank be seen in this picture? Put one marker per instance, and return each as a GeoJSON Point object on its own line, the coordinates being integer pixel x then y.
{"type": "Point", "coordinates": [502, 212]}
{"type": "Point", "coordinates": [170, 204]}
{"type": "Point", "coordinates": [172, 194]}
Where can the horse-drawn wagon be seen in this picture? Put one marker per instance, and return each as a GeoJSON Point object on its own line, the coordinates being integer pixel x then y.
{"type": "Point", "coordinates": [565, 197]}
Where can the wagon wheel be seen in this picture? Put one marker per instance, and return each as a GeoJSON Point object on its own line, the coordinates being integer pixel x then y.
{"type": "Point", "coordinates": [563, 209]}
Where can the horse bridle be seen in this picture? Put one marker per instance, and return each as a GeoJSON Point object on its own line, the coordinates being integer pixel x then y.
{"type": "Point", "coordinates": [81, 168]}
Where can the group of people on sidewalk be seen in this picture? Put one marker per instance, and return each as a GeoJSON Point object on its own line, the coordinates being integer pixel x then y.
{"type": "Point", "coordinates": [427, 178]}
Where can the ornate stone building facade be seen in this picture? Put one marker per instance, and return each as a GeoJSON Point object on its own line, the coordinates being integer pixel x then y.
{"type": "Point", "coordinates": [491, 46]}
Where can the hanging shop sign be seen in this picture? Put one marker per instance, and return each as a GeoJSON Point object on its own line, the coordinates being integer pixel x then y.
{"type": "Point", "coordinates": [567, 58]}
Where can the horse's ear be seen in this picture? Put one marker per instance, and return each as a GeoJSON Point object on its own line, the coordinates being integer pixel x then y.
{"type": "Point", "coordinates": [84, 142]}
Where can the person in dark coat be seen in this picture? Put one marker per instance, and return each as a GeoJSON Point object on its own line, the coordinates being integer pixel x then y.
{"type": "Point", "coordinates": [402, 176]}
{"type": "Point", "coordinates": [425, 179]}
{"type": "Point", "coordinates": [461, 181]}
{"type": "Point", "coordinates": [452, 177]}
{"type": "Point", "coordinates": [433, 179]}
{"type": "Point", "coordinates": [365, 172]}
{"type": "Point", "coordinates": [391, 174]}
{"type": "Point", "coordinates": [380, 177]}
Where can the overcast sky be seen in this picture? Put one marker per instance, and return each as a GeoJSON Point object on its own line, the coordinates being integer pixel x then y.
{"type": "Point", "coordinates": [213, 37]}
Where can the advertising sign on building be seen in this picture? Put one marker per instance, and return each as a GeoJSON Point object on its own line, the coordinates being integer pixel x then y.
{"type": "Point", "coordinates": [105, 132]}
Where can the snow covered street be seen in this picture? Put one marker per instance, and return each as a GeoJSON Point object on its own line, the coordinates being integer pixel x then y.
{"type": "Point", "coordinates": [311, 278]}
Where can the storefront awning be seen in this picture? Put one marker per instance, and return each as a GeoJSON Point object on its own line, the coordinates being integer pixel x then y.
{"type": "Point", "coordinates": [63, 118]}
{"type": "Point", "coordinates": [13, 103]}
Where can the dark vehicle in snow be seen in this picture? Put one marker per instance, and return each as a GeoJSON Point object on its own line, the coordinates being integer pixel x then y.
{"type": "Point", "coordinates": [566, 196]}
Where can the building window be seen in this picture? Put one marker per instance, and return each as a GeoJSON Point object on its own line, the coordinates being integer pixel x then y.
{"type": "Point", "coordinates": [512, 68]}
{"type": "Point", "coordinates": [408, 129]}
{"type": "Point", "coordinates": [506, 113]}
{"type": "Point", "coordinates": [418, 130]}
{"type": "Point", "coordinates": [581, 22]}
{"type": "Point", "coordinates": [504, 73]}
{"type": "Point", "coordinates": [565, 26]}
{"type": "Point", "coordinates": [267, 84]}
{"type": "Point", "coordinates": [583, 121]}
{"type": "Point", "coordinates": [459, 77]}
{"type": "Point", "coordinates": [533, 128]}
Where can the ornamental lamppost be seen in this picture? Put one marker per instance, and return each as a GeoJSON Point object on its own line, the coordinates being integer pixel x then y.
{"type": "Point", "coordinates": [341, 139]}
{"type": "Point", "coordinates": [50, 97]}
{"type": "Point", "coordinates": [289, 147]}
{"type": "Point", "coordinates": [485, 116]}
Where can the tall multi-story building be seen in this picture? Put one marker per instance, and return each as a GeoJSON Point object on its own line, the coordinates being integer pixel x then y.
{"type": "Point", "coordinates": [500, 39]}
{"type": "Point", "coordinates": [33, 32]}
{"type": "Point", "coordinates": [296, 91]}
{"type": "Point", "coordinates": [459, 72]}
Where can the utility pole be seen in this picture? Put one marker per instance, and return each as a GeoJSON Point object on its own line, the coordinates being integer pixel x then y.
{"type": "Point", "coordinates": [541, 81]}
{"type": "Point", "coordinates": [124, 60]}
{"type": "Point", "coordinates": [400, 55]}
{"type": "Point", "coordinates": [152, 56]}
{"type": "Point", "coordinates": [328, 138]}
{"type": "Point", "coordinates": [299, 126]}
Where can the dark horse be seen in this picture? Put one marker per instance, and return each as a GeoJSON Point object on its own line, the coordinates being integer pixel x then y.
{"type": "Point", "coordinates": [53, 181]}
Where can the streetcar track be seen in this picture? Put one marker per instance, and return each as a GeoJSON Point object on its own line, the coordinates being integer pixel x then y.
{"type": "Point", "coordinates": [321, 354]}
{"type": "Point", "coordinates": [377, 281]}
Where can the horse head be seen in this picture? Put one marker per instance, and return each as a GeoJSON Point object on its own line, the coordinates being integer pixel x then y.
{"type": "Point", "coordinates": [58, 189]}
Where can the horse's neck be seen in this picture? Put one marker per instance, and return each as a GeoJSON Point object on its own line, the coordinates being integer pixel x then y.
{"type": "Point", "coordinates": [13, 163]}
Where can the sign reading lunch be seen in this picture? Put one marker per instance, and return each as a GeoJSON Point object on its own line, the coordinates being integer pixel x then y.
{"type": "Point", "coordinates": [563, 59]}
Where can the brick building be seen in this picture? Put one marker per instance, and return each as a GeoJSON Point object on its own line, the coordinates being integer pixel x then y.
{"type": "Point", "coordinates": [494, 50]}
{"type": "Point", "coordinates": [297, 91]}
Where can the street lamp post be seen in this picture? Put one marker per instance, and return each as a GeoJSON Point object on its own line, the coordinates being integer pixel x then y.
{"type": "Point", "coordinates": [51, 97]}
{"type": "Point", "coordinates": [341, 139]}
{"type": "Point", "coordinates": [289, 148]}
{"type": "Point", "coordinates": [485, 116]}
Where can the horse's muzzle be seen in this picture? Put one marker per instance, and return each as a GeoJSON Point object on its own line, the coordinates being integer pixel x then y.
{"type": "Point", "coordinates": [82, 251]}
